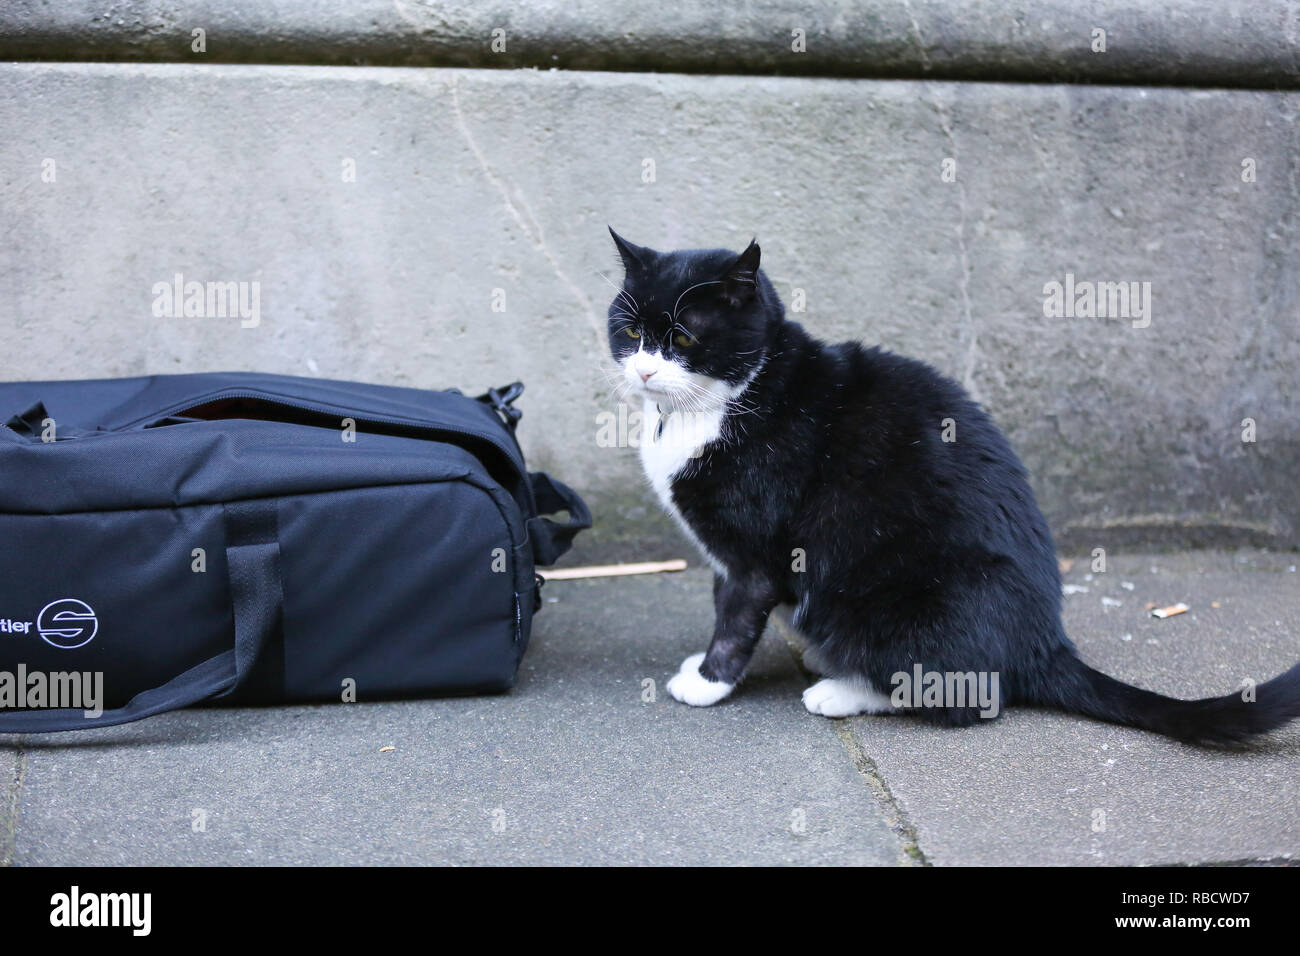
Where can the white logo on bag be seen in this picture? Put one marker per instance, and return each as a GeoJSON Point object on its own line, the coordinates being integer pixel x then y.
{"type": "Point", "coordinates": [67, 623]}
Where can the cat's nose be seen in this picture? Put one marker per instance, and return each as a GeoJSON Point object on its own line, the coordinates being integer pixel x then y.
{"type": "Point", "coordinates": [645, 376]}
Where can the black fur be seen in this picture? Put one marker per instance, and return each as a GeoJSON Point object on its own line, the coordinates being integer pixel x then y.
{"type": "Point", "coordinates": [917, 550]}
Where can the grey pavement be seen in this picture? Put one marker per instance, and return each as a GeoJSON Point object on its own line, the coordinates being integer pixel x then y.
{"type": "Point", "coordinates": [583, 764]}
{"type": "Point", "coordinates": [1048, 788]}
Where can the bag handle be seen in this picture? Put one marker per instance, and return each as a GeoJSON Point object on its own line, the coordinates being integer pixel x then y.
{"type": "Point", "coordinates": [502, 401]}
{"type": "Point", "coordinates": [253, 569]}
{"type": "Point", "coordinates": [550, 539]}
{"type": "Point", "coordinates": [28, 424]}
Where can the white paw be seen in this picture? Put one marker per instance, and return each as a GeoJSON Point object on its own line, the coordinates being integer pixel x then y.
{"type": "Point", "coordinates": [844, 697]}
{"type": "Point", "coordinates": [690, 687]}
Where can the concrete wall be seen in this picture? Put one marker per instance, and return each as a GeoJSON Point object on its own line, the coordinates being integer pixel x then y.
{"type": "Point", "coordinates": [1251, 43]}
{"type": "Point", "coordinates": [470, 181]}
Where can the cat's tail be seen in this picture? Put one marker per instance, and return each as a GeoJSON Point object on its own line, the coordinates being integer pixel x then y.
{"type": "Point", "coordinates": [1214, 720]}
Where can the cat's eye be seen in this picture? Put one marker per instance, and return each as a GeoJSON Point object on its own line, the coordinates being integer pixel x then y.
{"type": "Point", "coordinates": [631, 333]}
{"type": "Point", "coordinates": [684, 340]}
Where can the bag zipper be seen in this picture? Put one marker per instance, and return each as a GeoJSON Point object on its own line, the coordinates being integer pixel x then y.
{"type": "Point", "coordinates": [359, 417]}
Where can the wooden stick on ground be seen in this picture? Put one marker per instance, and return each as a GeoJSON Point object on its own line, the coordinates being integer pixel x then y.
{"type": "Point", "coordinates": [614, 570]}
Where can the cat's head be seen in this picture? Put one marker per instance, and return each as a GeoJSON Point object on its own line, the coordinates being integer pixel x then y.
{"type": "Point", "coordinates": [691, 328]}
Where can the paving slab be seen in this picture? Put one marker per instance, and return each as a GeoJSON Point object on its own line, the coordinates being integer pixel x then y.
{"type": "Point", "coordinates": [1038, 787]}
{"type": "Point", "coordinates": [573, 766]}
{"type": "Point", "coordinates": [577, 766]}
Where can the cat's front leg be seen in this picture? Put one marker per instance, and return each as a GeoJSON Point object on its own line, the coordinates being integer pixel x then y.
{"type": "Point", "coordinates": [741, 606]}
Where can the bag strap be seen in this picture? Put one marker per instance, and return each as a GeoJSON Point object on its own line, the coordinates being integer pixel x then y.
{"type": "Point", "coordinates": [549, 539]}
{"type": "Point", "coordinates": [253, 568]}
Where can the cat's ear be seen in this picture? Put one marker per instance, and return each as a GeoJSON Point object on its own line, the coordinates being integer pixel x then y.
{"type": "Point", "coordinates": [741, 281]}
{"type": "Point", "coordinates": [634, 257]}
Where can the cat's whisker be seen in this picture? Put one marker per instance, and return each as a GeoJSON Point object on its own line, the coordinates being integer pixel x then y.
{"type": "Point", "coordinates": [622, 293]}
{"type": "Point", "coordinates": [619, 390]}
{"type": "Point", "coordinates": [615, 381]}
{"type": "Point", "coordinates": [692, 288]}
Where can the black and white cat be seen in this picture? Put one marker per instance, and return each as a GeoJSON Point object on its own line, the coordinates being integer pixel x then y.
{"type": "Point", "coordinates": [819, 476]}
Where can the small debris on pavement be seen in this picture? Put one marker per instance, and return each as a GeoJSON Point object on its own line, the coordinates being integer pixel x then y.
{"type": "Point", "coordinates": [1170, 611]}
{"type": "Point", "coordinates": [1064, 564]}
{"type": "Point", "coordinates": [1215, 604]}
{"type": "Point", "coordinates": [1111, 602]}
{"type": "Point", "coordinates": [614, 570]}
{"type": "Point", "coordinates": [384, 750]}
{"type": "Point", "coordinates": [1074, 589]}
{"type": "Point", "coordinates": [1127, 585]}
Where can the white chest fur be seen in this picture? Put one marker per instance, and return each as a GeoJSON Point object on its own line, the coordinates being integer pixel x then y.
{"type": "Point", "coordinates": [665, 452]}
